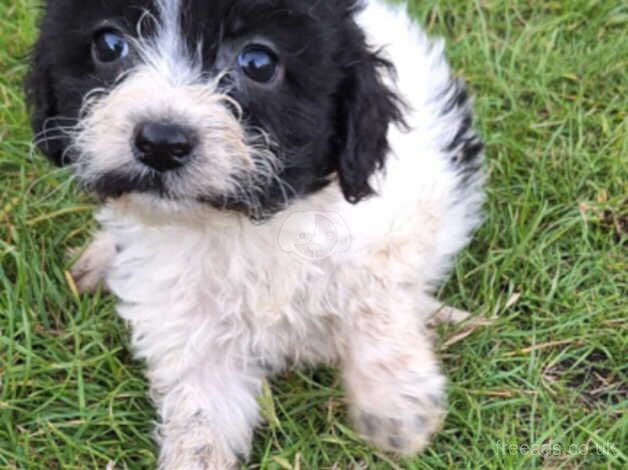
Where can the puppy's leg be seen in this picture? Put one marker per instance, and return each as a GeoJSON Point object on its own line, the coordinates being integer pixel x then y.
{"type": "Point", "coordinates": [208, 415]}
{"type": "Point", "coordinates": [394, 386]}
{"type": "Point", "coordinates": [89, 270]}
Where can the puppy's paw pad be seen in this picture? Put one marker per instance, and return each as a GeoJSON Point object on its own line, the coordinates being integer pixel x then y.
{"type": "Point", "coordinates": [404, 422]}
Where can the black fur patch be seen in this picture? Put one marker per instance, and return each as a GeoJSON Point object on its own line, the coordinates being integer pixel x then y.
{"type": "Point", "coordinates": [466, 147]}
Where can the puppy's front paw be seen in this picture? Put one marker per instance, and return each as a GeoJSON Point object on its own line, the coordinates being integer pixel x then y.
{"type": "Point", "coordinates": [193, 444]}
{"type": "Point", "coordinates": [398, 414]}
{"type": "Point", "coordinates": [89, 270]}
{"type": "Point", "coordinates": [204, 457]}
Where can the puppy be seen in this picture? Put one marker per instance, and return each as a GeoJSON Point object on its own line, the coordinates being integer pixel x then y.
{"type": "Point", "coordinates": [283, 182]}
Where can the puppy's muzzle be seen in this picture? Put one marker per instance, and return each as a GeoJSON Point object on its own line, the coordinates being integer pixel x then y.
{"type": "Point", "coordinates": [163, 146]}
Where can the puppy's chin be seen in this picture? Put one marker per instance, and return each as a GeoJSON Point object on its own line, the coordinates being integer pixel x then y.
{"type": "Point", "coordinates": [153, 209]}
{"type": "Point", "coordinates": [151, 195]}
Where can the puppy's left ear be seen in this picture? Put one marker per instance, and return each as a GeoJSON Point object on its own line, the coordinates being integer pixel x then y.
{"type": "Point", "coordinates": [366, 109]}
{"type": "Point", "coordinates": [42, 103]}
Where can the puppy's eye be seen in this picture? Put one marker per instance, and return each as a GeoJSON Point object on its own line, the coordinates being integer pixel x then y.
{"type": "Point", "coordinates": [259, 63]}
{"type": "Point", "coordinates": [109, 45]}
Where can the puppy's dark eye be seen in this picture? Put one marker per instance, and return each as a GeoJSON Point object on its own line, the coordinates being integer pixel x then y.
{"type": "Point", "coordinates": [259, 63]}
{"type": "Point", "coordinates": [109, 45]}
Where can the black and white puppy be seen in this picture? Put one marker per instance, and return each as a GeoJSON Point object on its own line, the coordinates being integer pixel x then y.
{"type": "Point", "coordinates": [283, 182]}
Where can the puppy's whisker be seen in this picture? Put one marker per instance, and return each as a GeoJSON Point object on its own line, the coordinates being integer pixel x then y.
{"type": "Point", "coordinates": [146, 16]}
{"type": "Point", "coordinates": [58, 119]}
{"type": "Point", "coordinates": [48, 130]}
{"type": "Point", "coordinates": [71, 148]}
{"type": "Point", "coordinates": [49, 135]}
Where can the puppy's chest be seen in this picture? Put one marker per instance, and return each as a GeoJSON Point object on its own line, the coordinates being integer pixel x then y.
{"type": "Point", "coordinates": [226, 276]}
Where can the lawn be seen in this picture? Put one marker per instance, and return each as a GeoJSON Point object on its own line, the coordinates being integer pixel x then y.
{"type": "Point", "coordinates": [542, 383]}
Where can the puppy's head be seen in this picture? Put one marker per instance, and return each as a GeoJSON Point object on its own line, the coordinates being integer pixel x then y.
{"type": "Point", "coordinates": [240, 104]}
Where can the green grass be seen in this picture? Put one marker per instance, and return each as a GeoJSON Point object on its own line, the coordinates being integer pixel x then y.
{"type": "Point", "coordinates": [543, 387]}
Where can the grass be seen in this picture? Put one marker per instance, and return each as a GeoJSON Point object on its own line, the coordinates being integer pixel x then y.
{"type": "Point", "coordinates": [543, 387]}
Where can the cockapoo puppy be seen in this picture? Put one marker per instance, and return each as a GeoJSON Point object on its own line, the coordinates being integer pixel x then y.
{"type": "Point", "coordinates": [283, 182]}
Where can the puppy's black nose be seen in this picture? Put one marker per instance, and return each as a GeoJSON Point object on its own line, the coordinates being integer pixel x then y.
{"type": "Point", "coordinates": [163, 146]}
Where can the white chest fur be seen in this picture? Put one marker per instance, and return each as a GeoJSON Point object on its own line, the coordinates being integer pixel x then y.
{"type": "Point", "coordinates": [266, 291]}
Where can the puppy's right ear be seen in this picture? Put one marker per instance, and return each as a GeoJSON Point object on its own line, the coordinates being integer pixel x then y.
{"type": "Point", "coordinates": [42, 103]}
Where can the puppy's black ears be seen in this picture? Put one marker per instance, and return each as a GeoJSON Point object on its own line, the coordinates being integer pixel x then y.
{"type": "Point", "coordinates": [367, 107]}
{"type": "Point", "coordinates": [42, 104]}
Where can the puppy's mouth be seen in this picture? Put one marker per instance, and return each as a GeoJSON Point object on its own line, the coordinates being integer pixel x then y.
{"type": "Point", "coordinates": [116, 184]}
{"type": "Point", "coordinates": [128, 180]}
